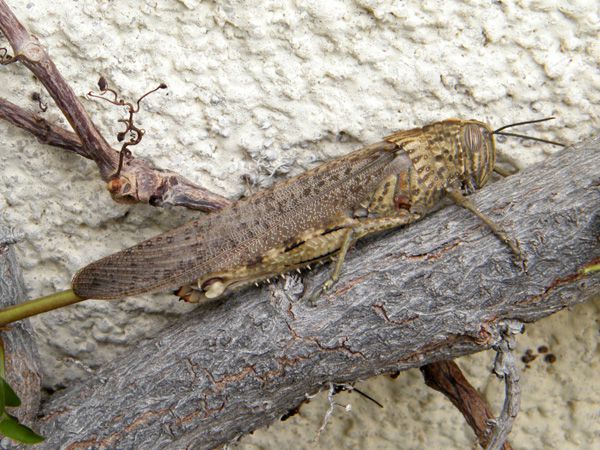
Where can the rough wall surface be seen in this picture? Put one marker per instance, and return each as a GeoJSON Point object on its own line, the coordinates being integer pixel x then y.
{"type": "Point", "coordinates": [260, 90]}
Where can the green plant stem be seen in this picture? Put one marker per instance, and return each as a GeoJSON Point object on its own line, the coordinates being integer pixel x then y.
{"type": "Point", "coordinates": [38, 306]}
{"type": "Point", "coordinates": [590, 269]}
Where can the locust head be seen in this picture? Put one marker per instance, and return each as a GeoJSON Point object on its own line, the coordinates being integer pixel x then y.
{"type": "Point", "coordinates": [478, 150]}
{"type": "Point", "coordinates": [478, 153]}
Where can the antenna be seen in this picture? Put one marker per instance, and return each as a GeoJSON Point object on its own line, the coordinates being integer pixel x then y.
{"type": "Point", "coordinates": [546, 141]}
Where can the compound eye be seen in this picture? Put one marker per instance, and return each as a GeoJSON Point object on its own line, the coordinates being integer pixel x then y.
{"type": "Point", "coordinates": [479, 158]}
{"type": "Point", "coordinates": [472, 138]}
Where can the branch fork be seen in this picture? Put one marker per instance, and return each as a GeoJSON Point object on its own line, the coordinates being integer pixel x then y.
{"type": "Point", "coordinates": [141, 182]}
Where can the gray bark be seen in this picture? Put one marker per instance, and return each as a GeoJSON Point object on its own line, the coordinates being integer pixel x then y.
{"type": "Point", "coordinates": [433, 291]}
{"type": "Point", "coordinates": [21, 357]}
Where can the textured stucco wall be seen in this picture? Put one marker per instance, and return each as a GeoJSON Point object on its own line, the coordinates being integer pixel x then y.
{"type": "Point", "coordinates": [268, 89]}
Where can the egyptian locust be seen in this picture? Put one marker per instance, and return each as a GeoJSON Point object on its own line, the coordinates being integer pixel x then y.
{"type": "Point", "coordinates": [314, 216]}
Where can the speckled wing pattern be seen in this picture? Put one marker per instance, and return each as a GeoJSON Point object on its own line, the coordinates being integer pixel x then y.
{"type": "Point", "coordinates": [240, 234]}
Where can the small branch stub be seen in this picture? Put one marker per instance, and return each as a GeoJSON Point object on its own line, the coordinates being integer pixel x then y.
{"type": "Point", "coordinates": [33, 51]}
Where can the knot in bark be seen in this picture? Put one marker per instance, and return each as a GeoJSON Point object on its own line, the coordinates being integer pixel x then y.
{"type": "Point", "coordinates": [32, 51]}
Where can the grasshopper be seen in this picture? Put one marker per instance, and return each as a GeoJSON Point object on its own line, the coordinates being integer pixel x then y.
{"type": "Point", "coordinates": [309, 218]}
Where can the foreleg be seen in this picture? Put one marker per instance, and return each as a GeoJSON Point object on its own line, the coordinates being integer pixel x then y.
{"type": "Point", "coordinates": [464, 202]}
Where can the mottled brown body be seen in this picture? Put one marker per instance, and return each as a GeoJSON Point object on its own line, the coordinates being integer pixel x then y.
{"type": "Point", "coordinates": [308, 218]}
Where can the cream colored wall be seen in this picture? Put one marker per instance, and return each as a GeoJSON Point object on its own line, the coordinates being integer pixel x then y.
{"type": "Point", "coordinates": [269, 89]}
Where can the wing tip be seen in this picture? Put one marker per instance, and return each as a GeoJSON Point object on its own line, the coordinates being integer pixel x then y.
{"type": "Point", "coordinates": [93, 282]}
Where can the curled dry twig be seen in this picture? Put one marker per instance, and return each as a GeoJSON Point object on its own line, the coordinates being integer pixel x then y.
{"type": "Point", "coordinates": [37, 97]}
{"type": "Point", "coordinates": [5, 58]}
{"type": "Point", "coordinates": [135, 133]}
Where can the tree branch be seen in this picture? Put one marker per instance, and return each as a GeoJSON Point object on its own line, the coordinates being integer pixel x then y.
{"type": "Point", "coordinates": [447, 378]}
{"type": "Point", "coordinates": [46, 132]}
{"type": "Point", "coordinates": [434, 291]}
{"type": "Point", "coordinates": [29, 51]}
{"type": "Point", "coordinates": [138, 181]}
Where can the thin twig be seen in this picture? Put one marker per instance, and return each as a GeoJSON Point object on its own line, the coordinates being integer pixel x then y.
{"type": "Point", "coordinates": [332, 404]}
{"type": "Point", "coordinates": [135, 133]}
{"type": "Point", "coordinates": [505, 366]}
{"type": "Point", "coordinates": [46, 132]}
{"type": "Point", "coordinates": [351, 388]}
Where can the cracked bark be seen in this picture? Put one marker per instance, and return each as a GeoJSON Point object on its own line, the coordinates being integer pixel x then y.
{"type": "Point", "coordinates": [433, 291]}
{"type": "Point", "coordinates": [22, 360]}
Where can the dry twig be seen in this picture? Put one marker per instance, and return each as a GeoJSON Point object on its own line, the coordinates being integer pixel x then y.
{"type": "Point", "coordinates": [505, 367]}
